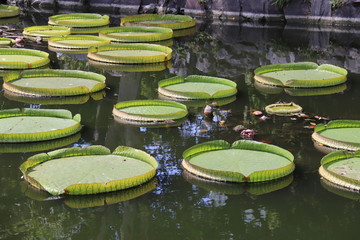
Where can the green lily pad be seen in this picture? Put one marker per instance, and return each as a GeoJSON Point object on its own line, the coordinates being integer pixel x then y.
{"type": "Point", "coordinates": [197, 87]}
{"type": "Point", "coordinates": [200, 102]}
{"type": "Point", "coordinates": [244, 161]}
{"type": "Point", "coordinates": [300, 75]}
{"type": "Point", "coordinates": [77, 41]}
{"type": "Point", "coordinates": [342, 168]}
{"type": "Point", "coordinates": [159, 20]}
{"type": "Point", "coordinates": [45, 32]}
{"type": "Point", "coordinates": [154, 112]}
{"type": "Point", "coordinates": [136, 34]}
{"type": "Point", "coordinates": [49, 83]}
{"type": "Point", "coordinates": [7, 11]}
{"type": "Point", "coordinates": [22, 58]}
{"type": "Point", "coordinates": [339, 134]}
{"type": "Point", "coordinates": [283, 109]}
{"type": "Point", "coordinates": [229, 188]}
{"type": "Point", "coordinates": [134, 53]}
{"type": "Point", "coordinates": [90, 170]}
{"type": "Point", "coordinates": [5, 42]}
{"type": "Point", "coordinates": [31, 125]}
{"type": "Point", "coordinates": [80, 22]}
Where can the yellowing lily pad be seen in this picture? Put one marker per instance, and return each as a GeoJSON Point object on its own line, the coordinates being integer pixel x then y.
{"type": "Point", "coordinates": [45, 32]}
{"type": "Point", "coordinates": [283, 109]}
{"type": "Point", "coordinates": [7, 11]}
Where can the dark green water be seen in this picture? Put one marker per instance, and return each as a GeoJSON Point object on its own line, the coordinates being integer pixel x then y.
{"type": "Point", "coordinates": [181, 207]}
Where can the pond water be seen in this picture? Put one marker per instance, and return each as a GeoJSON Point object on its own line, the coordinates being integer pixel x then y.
{"type": "Point", "coordinates": [175, 205]}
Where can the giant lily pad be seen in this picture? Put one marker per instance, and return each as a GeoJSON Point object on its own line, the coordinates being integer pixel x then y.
{"type": "Point", "coordinates": [12, 58]}
{"type": "Point", "coordinates": [77, 41]}
{"type": "Point", "coordinates": [243, 161]}
{"type": "Point", "coordinates": [49, 83]}
{"type": "Point", "coordinates": [80, 22]}
{"type": "Point", "coordinates": [342, 168]}
{"type": "Point", "coordinates": [151, 67]}
{"type": "Point", "coordinates": [133, 53]}
{"type": "Point", "coordinates": [159, 20]}
{"type": "Point", "coordinates": [8, 11]}
{"type": "Point", "coordinates": [156, 112]}
{"type": "Point", "coordinates": [31, 125]}
{"type": "Point", "coordinates": [283, 109]}
{"type": "Point", "coordinates": [300, 75]}
{"type": "Point", "coordinates": [197, 87]}
{"type": "Point", "coordinates": [45, 32]}
{"type": "Point", "coordinates": [136, 34]}
{"type": "Point", "coordinates": [339, 134]}
{"type": "Point", "coordinates": [89, 170]}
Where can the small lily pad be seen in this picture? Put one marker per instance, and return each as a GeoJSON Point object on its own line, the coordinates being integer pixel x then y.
{"type": "Point", "coordinates": [89, 170]}
{"type": "Point", "coordinates": [133, 53]}
{"type": "Point", "coordinates": [136, 34]}
{"type": "Point", "coordinates": [45, 32]}
{"type": "Point", "coordinates": [155, 112]}
{"type": "Point", "coordinates": [197, 87]}
{"type": "Point", "coordinates": [243, 161]}
{"type": "Point", "coordinates": [283, 109]}
{"type": "Point", "coordinates": [338, 134]}
{"type": "Point", "coordinates": [159, 20]}
{"type": "Point", "coordinates": [342, 168]}
{"type": "Point", "coordinates": [31, 125]}
{"type": "Point", "coordinates": [7, 11]}
{"type": "Point", "coordinates": [77, 41]}
{"type": "Point", "coordinates": [300, 75]}
{"type": "Point", "coordinates": [22, 58]}
{"type": "Point", "coordinates": [50, 83]}
{"type": "Point", "coordinates": [5, 42]}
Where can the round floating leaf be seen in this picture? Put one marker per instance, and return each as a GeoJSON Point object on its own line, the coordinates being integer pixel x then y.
{"type": "Point", "coordinates": [45, 32]}
{"type": "Point", "coordinates": [8, 11]}
{"type": "Point", "coordinates": [152, 112]}
{"type": "Point", "coordinates": [38, 146]}
{"type": "Point", "coordinates": [5, 42]}
{"type": "Point", "coordinates": [77, 41]}
{"type": "Point", "coordinates": [283, 109]}
{"type": "Point", "coordinates": [230, 188]}
{"type": "Point", "coordinates": [89, 170]}
{"type": "Point", "coordinates": [342, 168]}
{"type": "Point", "coordinates": [244, 161]}
{"type": "Point", "coordinates": [31, 125]}
{"type": "Point", "coordinates": [49, 83]}
{"type": "Point", "coordinates": [151, 67]}
{"type": "Point", "coordinates": [135, 53]}
{"type": "Point", "coordinates": [300, 75]}
{"type": "Point", "coordinates": [136, 34]}
{"type": "Point", "coordinates": [79, 20]}
{"type": "Point", "coordinates": [339, 134]}
{"type": "Point", "coordinates": [159, 20]}
{"type": "Point", "coordinates": [197, 87]}
{"type": "Point", "coordinates": [12, 58]}
{"type": "Point", "coordinates": [201, 102]}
